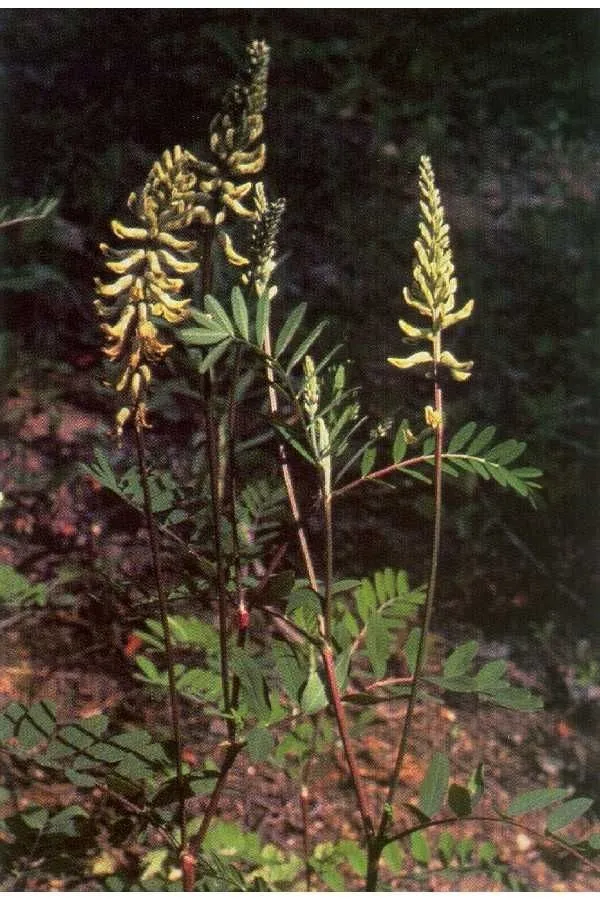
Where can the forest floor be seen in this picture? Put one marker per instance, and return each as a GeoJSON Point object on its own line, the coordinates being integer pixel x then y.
{"type": "Point", "coordinates": [77, 649]}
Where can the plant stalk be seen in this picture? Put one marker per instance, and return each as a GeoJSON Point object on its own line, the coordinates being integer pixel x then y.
{"type": "Point", "coordinates": [166, 629]}
{"type": "Point", "coordinates": [376, 847]}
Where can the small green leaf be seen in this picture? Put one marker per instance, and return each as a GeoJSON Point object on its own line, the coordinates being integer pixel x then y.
{"type": "Point", "coordinates": [289, 328]}
{"type": "Point", "coordinates": [259, 743]}
{"type": "Point", "coordinates": [446, 847]}
{"type": "Point", "coordinates": [567, 813]}
{"type": "Point", "coordinates": [531, 801]}
{"type": "Point", "coordinates": [399, 447]}
{"type": "Point", "coordinates": [240, 311]}
{"type": "Point", "coordinates": [213, 356]}
{"type": "Point", "coordinates": [313, 697]}
{"type": "Point", "coordinates": [476, 784]}
{"type": "Point", "coordinates": [462, 437]}
{"type": "Point", "coordinates": [411, 648]}
{"type": "Point", "coordinates": [490, 674]}
{"type": "Point", "coordinates": [368, 461]}
{"type": "Point", "coordinates": [366, 600]}
{"type": "Point", "coordinates": [434, 785]}
{"type": "Point", "coordinates": [419, 847]}
{"type": "Point", "coordinates": [263, 314]}
{"type": "Point", "coordinates": [506, 452]}
{"type": "Point", "coordinates": [459, 800]}
{"type": "Point", "coordinates": [305, 346]}
{"type": "Point", "coordinates": [252, 680]}
{"type": "Point", "coordinates": [217, 311]}
{"type": "Point", "coordinates": [516, 698]}
{"type": "Point", "coordinates": [482, 440]}
{"type": "Point", "coordinates": [393, 857]}
{"type": "Point", "coordinates": [377, 644]}
{"type": "Point", "coordinates": [460, 659]}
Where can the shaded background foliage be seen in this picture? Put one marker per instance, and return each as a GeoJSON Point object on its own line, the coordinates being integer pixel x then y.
{"type": "Point", "coordinates": [505, 101]}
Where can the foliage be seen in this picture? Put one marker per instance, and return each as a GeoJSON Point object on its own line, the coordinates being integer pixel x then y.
{"type": "Point", "coordinates": [282, 699]}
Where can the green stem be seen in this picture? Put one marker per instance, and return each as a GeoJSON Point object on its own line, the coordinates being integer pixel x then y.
{"type": "Point", "coordinates": [164, 619]}
{"type": "Point", "coordinates": [377, 845]}
{"type": "Point", "coordinates": [215, 486]}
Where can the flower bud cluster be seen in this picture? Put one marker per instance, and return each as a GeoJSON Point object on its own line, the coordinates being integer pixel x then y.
{"type": "Point", "coordinates": [434, 286]}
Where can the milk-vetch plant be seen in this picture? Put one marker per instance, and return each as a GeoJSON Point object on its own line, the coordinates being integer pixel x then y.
{"type": "Point", "coordinates": [262, 636]}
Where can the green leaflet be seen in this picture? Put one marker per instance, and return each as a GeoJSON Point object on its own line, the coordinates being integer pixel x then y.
{"type": "Point", "coordinates": [435, 784]}
{"type": "Point", "coordinates": [531, 801]}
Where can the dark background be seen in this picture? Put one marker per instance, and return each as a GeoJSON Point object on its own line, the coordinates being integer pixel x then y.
{"type": "Point", "coordinates": [506, 103]}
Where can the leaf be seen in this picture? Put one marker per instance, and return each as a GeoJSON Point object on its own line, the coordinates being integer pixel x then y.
{"type": "Point", "coordinates": [419, 847]}
{"type": "Point", "coordinates": [459, 800]}
{"type": "Point", "coordinates": [263, 313]}
{"type": "Point", "coordinates": [516, 698]}
{"type": "Point", "coordinates": [259, 743]}
{"type": "Point", "coordinates": [366, 600]}
{"type": "Point", "coordinates": [490, 674]}
{"type": "Point", "coordinates": [476, 784]}
{"type": "Point", "coordinates": [393, 856]}
{"type": "Point", "coordinates": [240, 311]}
{"type": "Point", "coordinates": [567, 813]}
{"type": "Point", "coordinates": [213, 356]}
{"type": "Point", "coordinates": [313, 697]}
{"type": "Point", "coordinates": [462, 437]}
{"type": "Point", "coordinates": [482, 440]}
{"type": "Point", "coordinates": [434, 785]}
{"type": "Point", "coordinates": [202, 337]}
{"type": "Point", "coordinates": [368, 461]}
{"type": "Point", "coordinates": [217, 311]}
{"type": "Point", "coordinates": [377, 644]}
{"type": "Point", "coordinates": [506, 452]}
{"type": "Point", "coordinates": [305, 346]}
{"type": "Point", "coordinates": [461, 658]}
{"type": "Point", "coordinates": [289, 328]}
{"type": "Point", "coordinates": [446, 847]}
{"type": "Point", "coordinates": [411, 648]}
{"type": "Point", "coordinates": [252, 680]}
{"type": "Point", "coordinates": [400, 445]}
{"type": "Point", "coordinates": [279, 586]}
{"type": "Point", "coordinates": [531, 801]}
{"type": "Point", "coordinates": [15, 590]}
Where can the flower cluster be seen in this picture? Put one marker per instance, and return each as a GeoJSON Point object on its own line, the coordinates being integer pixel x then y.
{"type": "Point", "coordinates": [149, 282]}
{"type": "Point", "coordinates": [181, 191]}
{"type": "Point", "coordinates": [434, 286]}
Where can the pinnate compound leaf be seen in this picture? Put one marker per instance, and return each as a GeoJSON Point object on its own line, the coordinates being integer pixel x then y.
{"type": "Point", "coordinates": [434, 785]}
{"type": "Point", "coordinates": [531, 801]}
{"type": "Point", "coordinates": [567, 813]}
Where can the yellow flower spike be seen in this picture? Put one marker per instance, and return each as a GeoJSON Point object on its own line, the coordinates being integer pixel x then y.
{"type": "Point", "coordinates": [433, 291]}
